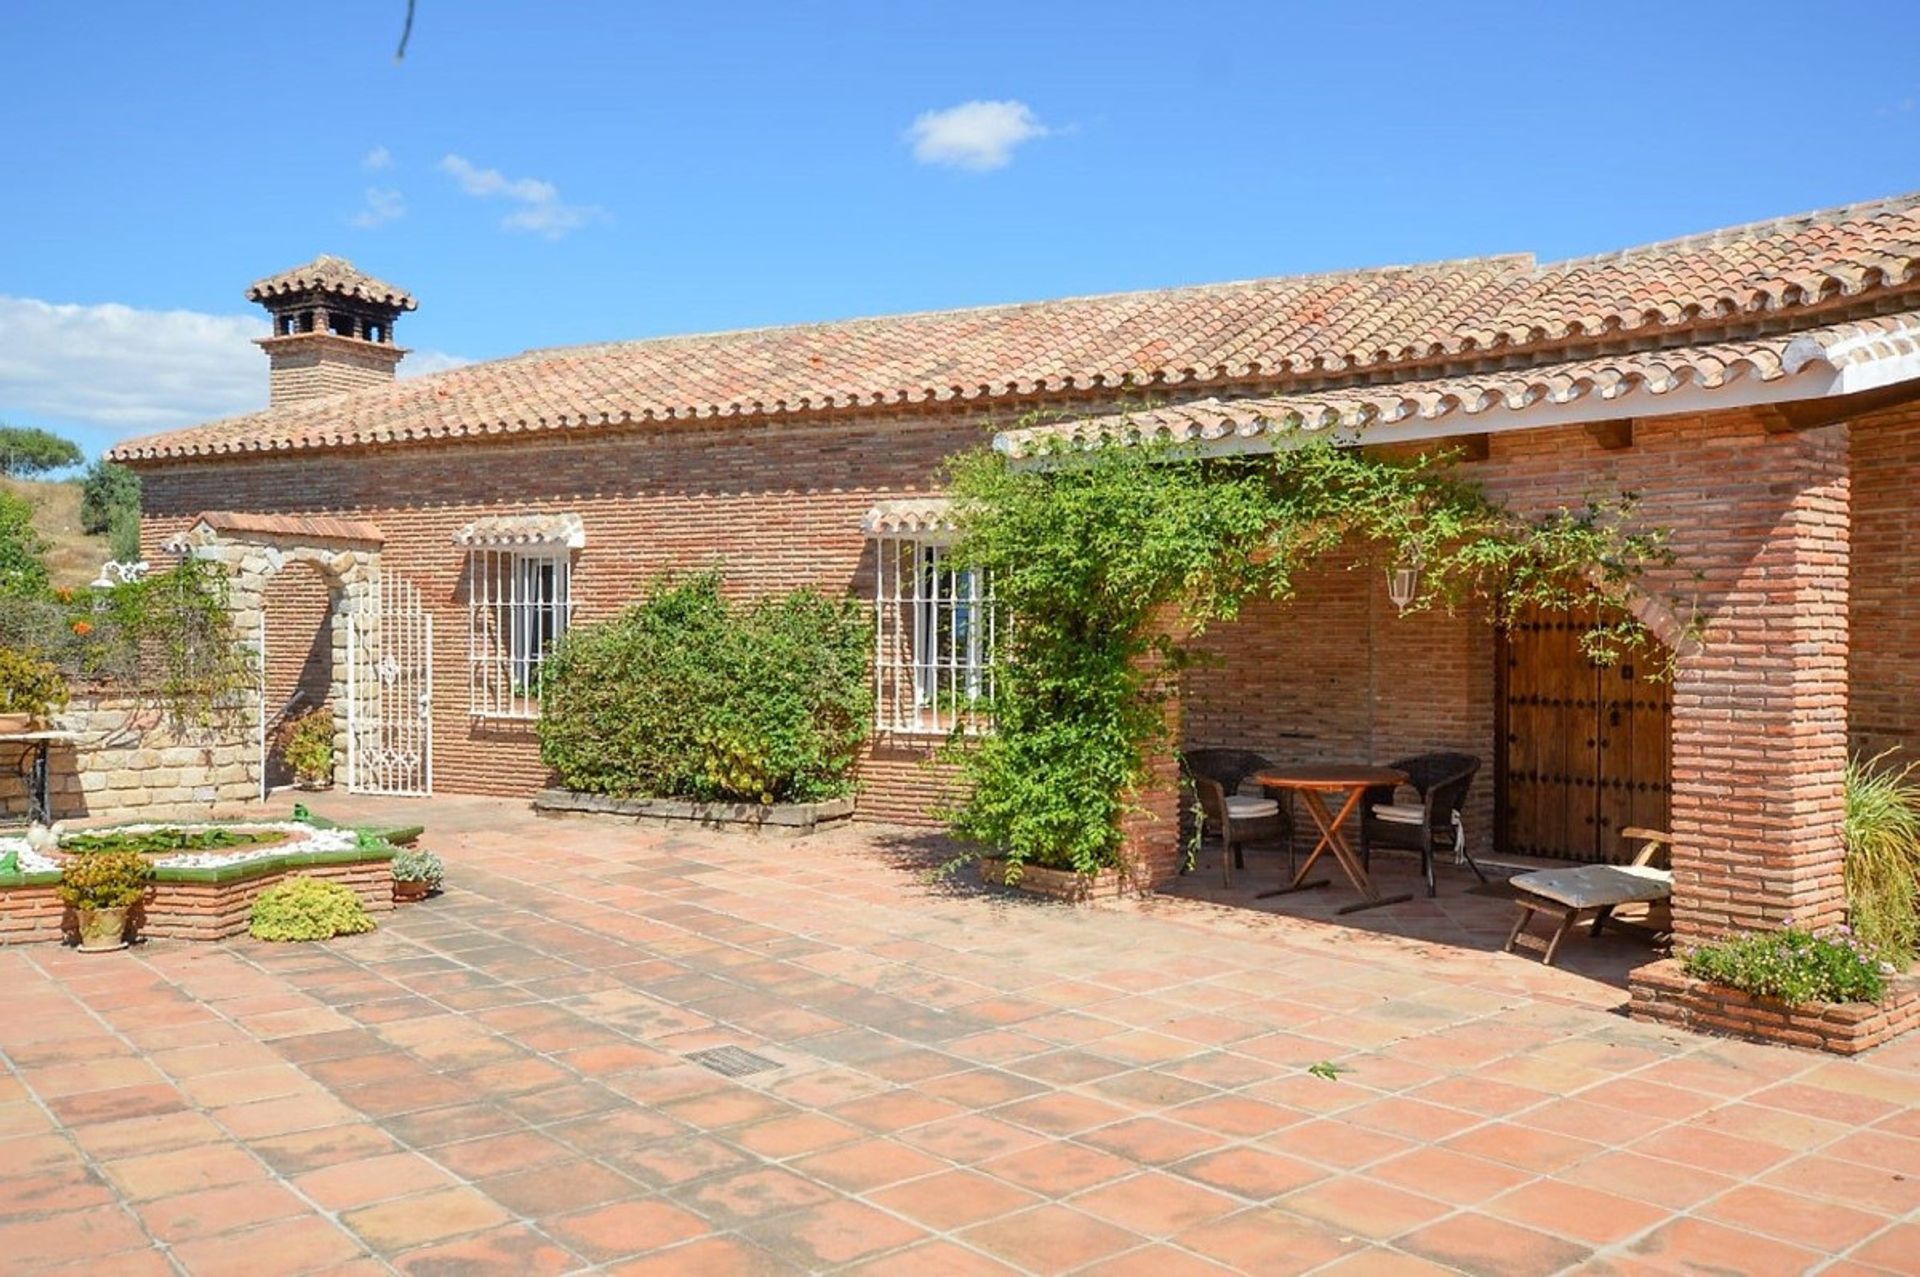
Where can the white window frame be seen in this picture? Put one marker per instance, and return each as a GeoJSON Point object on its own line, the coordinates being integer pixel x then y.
{"type": "Point", "coordinates": [936, 626]}
{"type": "Point", "coordinates": [519, 605]}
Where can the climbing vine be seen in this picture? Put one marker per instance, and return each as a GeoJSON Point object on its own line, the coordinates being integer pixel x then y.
{"type": "Point", "coordinates": [1109, 560]}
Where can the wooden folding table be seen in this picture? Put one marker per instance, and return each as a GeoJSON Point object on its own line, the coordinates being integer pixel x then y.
{"type": "Point", "coordinates": [1311, 783]}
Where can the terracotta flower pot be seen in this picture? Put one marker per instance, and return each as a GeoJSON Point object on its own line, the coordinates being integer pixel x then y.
{"type": "Point", "coordinates": [405, 890]}
{"type": "Point", "coordinates": [17, 723]}
{"type": "Point", "coordinates": [103, 930]}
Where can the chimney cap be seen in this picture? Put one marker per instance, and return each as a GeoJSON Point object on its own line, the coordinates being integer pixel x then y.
{"type": "Point", "coordinates": [329, 274]}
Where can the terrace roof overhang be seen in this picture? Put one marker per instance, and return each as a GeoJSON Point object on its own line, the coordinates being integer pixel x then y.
{"type": "Point", "coordinates": [1850, 365]}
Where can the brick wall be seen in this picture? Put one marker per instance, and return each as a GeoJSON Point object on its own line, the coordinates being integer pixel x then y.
{"type": "Point", "coordinates": [1759, 525]}
{"type": "Point", "coordinates": [312, 364]}
{"type": "Point", "coordinates": [1884, 667]}
{"type": "Point", "coordinates": [777, 507]}
{"type": "Point", "coordinates": [299, 651]}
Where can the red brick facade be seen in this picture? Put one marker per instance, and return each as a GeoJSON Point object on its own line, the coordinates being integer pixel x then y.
{"type": "Point", "coordinates": [1760, 525]}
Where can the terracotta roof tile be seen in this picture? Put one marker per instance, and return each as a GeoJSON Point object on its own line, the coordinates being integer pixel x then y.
{"type": "Point", "coordinates": [1649, 373]}
{"type": "Point", "coordinates": [1398, 321]}
{"type": "Point", "coordinates": [312, 526]}
{"type": "Point", "coordinates": [328, 274]}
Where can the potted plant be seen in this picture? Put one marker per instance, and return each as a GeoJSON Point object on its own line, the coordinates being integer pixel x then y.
{"type": "Point", "coordinates": [308, 748]}
{"type": "Point", "coordinates": [31, 690]}
{"type": "Point", "coordinates": [102, 886]}
{"type": "Point", "coordinates": [416, 874]}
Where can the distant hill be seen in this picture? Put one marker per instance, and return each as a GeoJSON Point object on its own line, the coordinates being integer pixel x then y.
{"type": "Point", "coordinates": [76, 557]}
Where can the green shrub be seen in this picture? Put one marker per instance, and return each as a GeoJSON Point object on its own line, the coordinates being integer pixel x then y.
{"type": "Point", "coordinates": [1883, 857]}
{"type": "Point", "coordinates": [23, 551]}
{"type": "Point", "coordinates": [168, 841]}
{"type": "Point", "coordinates": [308, 909]}
{"type": "Point", "coordinates": [687, 695]}
{"type": "Point", "coordinates": [110, 880]}
{"type": "Point", "coordinates": [413, 865]}
{"type": "Point", "coordinates": [1793, 966]}
{"type": "Point", "coordinates": [29, 685]}
{"type": "Point", "coordinates": [106, 491]}
{"type": "Point", "coordinates": [27, 450]}
{"type": "Point", "coordinates": [307, 745]}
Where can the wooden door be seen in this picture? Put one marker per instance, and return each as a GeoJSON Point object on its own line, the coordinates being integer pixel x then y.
{"type": "Point", "coordinates": [1582, 750]}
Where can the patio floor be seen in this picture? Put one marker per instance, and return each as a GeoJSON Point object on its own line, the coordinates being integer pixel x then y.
{"type": "Point", "coordinates": [497, 1081]}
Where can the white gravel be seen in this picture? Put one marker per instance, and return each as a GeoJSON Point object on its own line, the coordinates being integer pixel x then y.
{"type": "Point", "coordinates": [302, 840]}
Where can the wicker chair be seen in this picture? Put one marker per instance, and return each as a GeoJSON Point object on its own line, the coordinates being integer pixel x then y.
{"type": "Point", "coordinates": [1442, 782]}
{"type": "Point", "coordinates": [1241, 820]}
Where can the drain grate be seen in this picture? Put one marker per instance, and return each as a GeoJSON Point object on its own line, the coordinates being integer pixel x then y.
{"type": "Point", "coordinates": [731, 1061]}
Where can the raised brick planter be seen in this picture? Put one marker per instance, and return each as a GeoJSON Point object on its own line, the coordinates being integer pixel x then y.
{"type": "Point", "coordinates": [193, 904]}
{"type": "Point", "coordinates": [779, 820]}
{"type": "Point", "coordinates": [1064, 884]}
{"type": "Point", "coordinates": [1664, 993]}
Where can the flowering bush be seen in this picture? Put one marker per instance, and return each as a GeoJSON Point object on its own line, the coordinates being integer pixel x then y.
{"type": "Point", "coordinates": [29, 685]}
{"type": "Point", "coordinates": [1792, 965]}
{"type": "Point", "coordinates": [308, 909]}
{"type": "Point", "coordinates": [104, 880]}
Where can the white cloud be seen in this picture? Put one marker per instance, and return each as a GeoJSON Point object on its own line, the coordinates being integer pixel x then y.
{"type": "Point", "coordinates": [978, 136]}
{"type": "Point", "coordinates": [376, 159]}
{"type": "Point", "coordinates": [540, 210]}
{"type": "Point", "coordinates": [128, 371]}
{"type": "Point", "coordinates": [383, 205]}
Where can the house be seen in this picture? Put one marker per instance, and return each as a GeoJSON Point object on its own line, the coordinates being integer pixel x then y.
{"type": "Point", "coordinates": [1758, 386]}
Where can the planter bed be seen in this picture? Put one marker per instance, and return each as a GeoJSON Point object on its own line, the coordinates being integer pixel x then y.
{"type": "Point", "coordinates": [198, 895]}
{"type": "Point", "coordinates": [776, 820]}
{"type": "Point", "coordinates": [1664, 993]}
{"type": "Point", "coordinates": [1064, 884]}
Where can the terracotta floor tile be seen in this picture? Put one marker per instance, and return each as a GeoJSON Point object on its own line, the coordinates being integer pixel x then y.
{"type": "Point", "coordinates": [932, 1259]}
{"type": "Point", "coordinates": [1267, 1241]}
{"type": "Point", "coordinates": [1529, 1148]}
{"type": "Point", "coordinates": [1586, 1215]}
{"type": "Point", "coordinates": [395, 1226]}
{"type": "Point", "coordinates": [626, 1228]}
{"type": "Point", "coordinates": [367, 1180]}
{"type": "Point", "coordinates": [1050, 1239]}
{"type": "Point", "coordinates": [516, 1249]}
{"type": "Point", "coordinates": [801, 1133]}
{"type": "Point", "coordinates": [869, 1164]}
{"type": "Point", "coordinates": [1059, 1168]}
{"type": "Point", "coordinates": [298, 1246]}
{"type": "Point", "coordinates": [1365, 1207]}
{"type": "Point", "coordinates": [181, 1171]}
{"type": "Point", "coordinates": [1237, 1115]}
{"type": "Point", "coordinates": [557, 1188]}
{"type": "Point", "coordinates": [502, 1154]}
{"type": "Point", "coordinates": [1335, 1143]}
{"type": "Point", "coordinates": [706, 1257]}
{"type": "Point", "coordinates": [750, 1195]}
{"type": "Point", "coordinates": [896, 1111]}
{"type": "Point", "coordinates": [213, 1211]}
{"type": "Point", "coordinates": [1157, 1260]}
{"type": "Point", "coordinates": [1897, 1250]}
{"type": "Point", "coordinates": [330, 1146]}
{"type": "Point", "coordinates": [970, 1138]}
{"type": "Point", "coordinates": [1493, 1247]}
{"type": "Point", "coordinates": [1153, 1140]}
{"type": "Point", "coordinates": [832, 1233]}
{"type": "Point", "coordinates": [1062, 1113]}
{"type": "Point", "coordinates": [1694, 1245]}
{"type": "Point", "coordinates": [1411, 1119]}
{"type": "Point", "coordinates": [1805, 1221]}
{"type": "Point", "coordinates": [953, 1199]}
{"type": "Point", "coordinates": [69, 1187]}
{"type": "Point", "coordinates": [1873, 1187]}
{"type": "Point", "coordinates": [1648, 1179]}
{"type": "Point", "coordinates": [1252, 1173]}
{"type": "Point", "coordinates": [1453, 1177]}
{"type": "Point", "coordinates": [1154, 1204]}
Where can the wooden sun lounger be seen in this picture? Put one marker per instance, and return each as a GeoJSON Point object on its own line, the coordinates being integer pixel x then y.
{"type": "Point", "coordinates": [1593, 892]}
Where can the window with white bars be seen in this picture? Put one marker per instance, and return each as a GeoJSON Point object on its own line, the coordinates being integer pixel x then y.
{"type": "Point", "coordinates": [519, 602]}
{"type": "Point", "coordinates": [934, 639]}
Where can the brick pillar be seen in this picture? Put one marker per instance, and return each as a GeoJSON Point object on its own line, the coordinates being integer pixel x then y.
{"type": "Point", "coordinates": [1760, 709]}
{"type": "Point", "coordinates": [1150, 836]}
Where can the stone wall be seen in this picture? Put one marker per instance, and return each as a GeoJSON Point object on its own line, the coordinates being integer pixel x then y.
{"type": "Point", "coordinates": [130, 763]}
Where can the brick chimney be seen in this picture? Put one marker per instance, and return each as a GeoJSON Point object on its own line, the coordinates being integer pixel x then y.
{"type": "Point", "coordinates": [332, 329]}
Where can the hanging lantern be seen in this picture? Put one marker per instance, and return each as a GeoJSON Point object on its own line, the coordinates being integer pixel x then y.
{"type": "Point", "coordinates": [1403, 580]}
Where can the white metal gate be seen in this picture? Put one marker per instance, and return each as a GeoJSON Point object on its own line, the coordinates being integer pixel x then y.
{"type": "Point", "coordinates": [390, 692]}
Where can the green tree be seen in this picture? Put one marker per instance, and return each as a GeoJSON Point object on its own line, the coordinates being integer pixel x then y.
{"type": "Point", "coordinates": [25, 450]}
{"type": "Point", "coordinates": [110, 503]}
{"type": "Point", "coordinates": [23, 564]}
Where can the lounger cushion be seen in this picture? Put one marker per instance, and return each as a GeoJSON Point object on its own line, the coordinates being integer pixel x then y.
{"type": "Point", "coordinates": [1400, 813]}
{"type": "Point", "coordinates": [1243, 808]}
{"type": "Point", "coordinates": [1597, 886]}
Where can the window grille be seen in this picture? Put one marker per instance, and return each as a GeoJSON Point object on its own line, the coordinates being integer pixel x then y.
{"type": "Point", "coordinates": [519, 603]}
{"type": "Point", "coordinates": [934, 639]}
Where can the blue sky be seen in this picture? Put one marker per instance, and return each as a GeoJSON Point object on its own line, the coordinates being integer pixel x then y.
{"type": "Point", "coordinates": [544, 173]}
